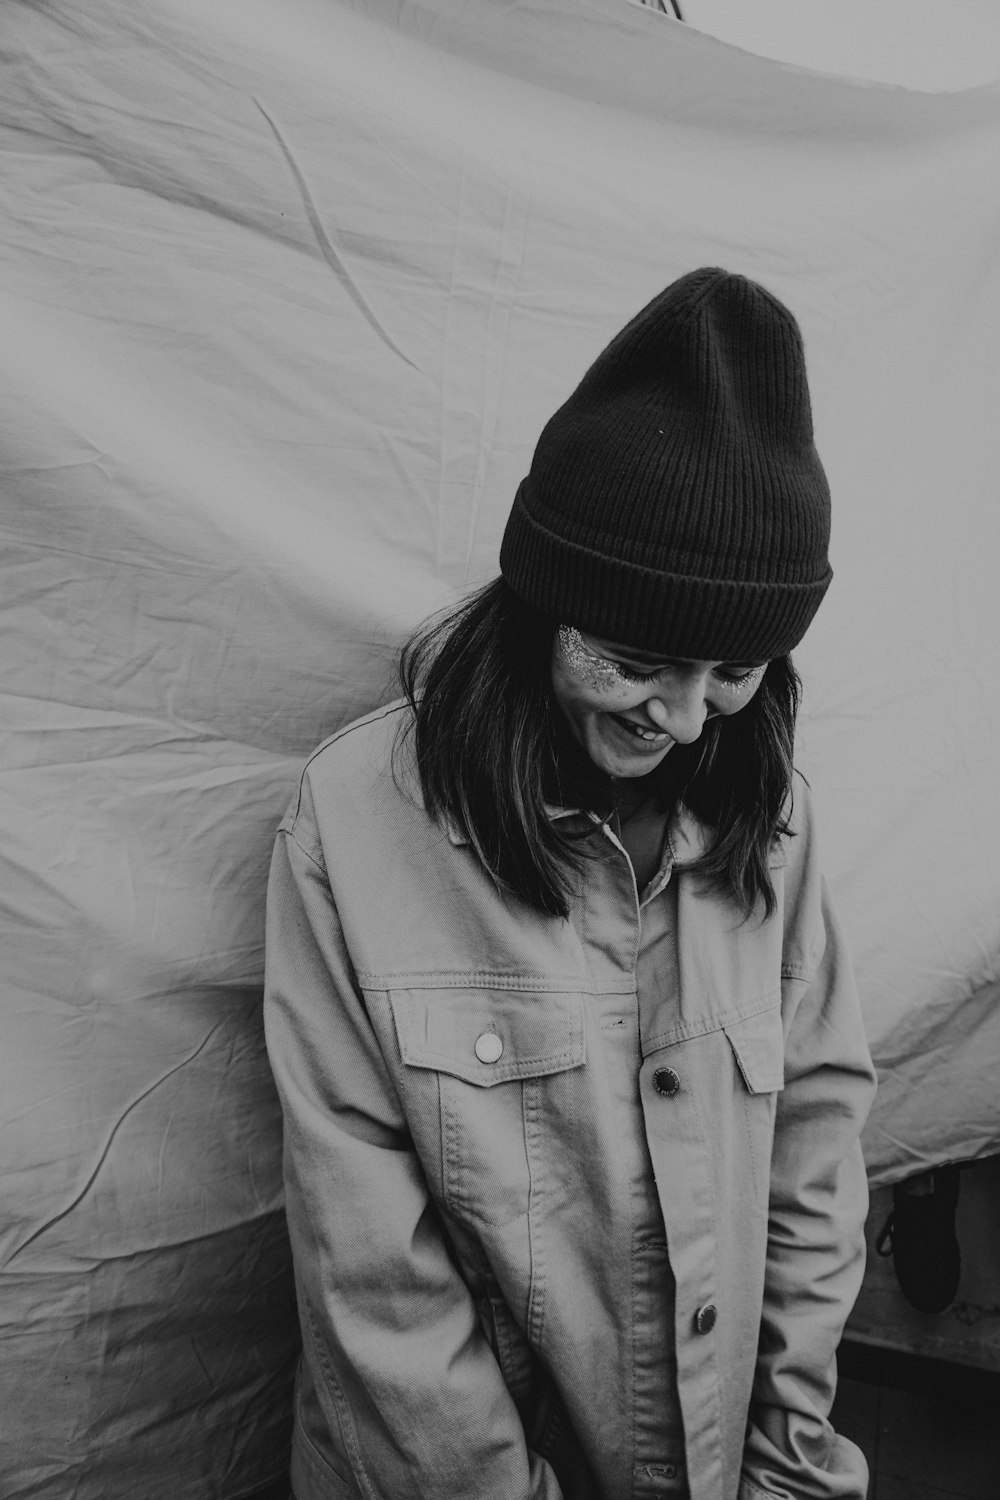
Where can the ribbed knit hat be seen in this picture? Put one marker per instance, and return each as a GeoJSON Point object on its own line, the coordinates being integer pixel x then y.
{"type": "Point", "coordinates": [676, 501]}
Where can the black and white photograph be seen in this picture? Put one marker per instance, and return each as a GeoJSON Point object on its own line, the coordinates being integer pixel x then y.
{"type": "Point", "coordinates": [500, 750]}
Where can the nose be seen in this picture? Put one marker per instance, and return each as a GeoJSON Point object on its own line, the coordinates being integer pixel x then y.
{"type": "Point", "coordinates": [680, 710]}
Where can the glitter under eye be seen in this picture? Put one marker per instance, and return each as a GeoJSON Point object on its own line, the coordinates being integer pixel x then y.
{"type": "Point", "coordinates": [596, 671]}
{"type": "Point", "coordinates": [744, 683]}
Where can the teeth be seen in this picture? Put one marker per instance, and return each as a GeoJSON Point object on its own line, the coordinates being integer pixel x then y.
{"type": "Point", "coordinates": [647, 734]}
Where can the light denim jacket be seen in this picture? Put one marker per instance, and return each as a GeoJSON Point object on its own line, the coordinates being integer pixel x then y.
{"type": "Point", "coordinates": [465, 1090]}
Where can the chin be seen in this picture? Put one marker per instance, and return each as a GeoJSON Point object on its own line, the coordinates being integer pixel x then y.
{"type": "Point", "coordinates": [633, 772]}
{"type": "Point", "coordinates": [622, 766]}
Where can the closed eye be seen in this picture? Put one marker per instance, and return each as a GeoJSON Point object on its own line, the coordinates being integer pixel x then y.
{"type": "Point", "coordinates": [741, 678]}
{"type": "Point", "coordinates": [730, 676]}
{"type": "Point", "coordinates": [633, 676]}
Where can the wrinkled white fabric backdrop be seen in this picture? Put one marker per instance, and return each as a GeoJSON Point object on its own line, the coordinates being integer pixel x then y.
{"type": "Point", "coordinates": [288, 290]}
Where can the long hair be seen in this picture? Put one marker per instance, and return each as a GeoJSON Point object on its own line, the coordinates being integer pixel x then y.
{"type": "Point", "coordinates": [493, 753]}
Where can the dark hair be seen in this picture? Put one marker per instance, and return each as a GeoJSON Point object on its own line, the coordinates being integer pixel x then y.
{"type": "Point", "coordinates": [493, 750]}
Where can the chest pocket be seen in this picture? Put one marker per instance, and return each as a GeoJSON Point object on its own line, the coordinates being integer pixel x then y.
{"type": "Point", "coordinates": [758, 1046]}
{"type": "Point", "coordinates": [758, 1043]}
{"type": "Point", "coordinates": [487, 1077]}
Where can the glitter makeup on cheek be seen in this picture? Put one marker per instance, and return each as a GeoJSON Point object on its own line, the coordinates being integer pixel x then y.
{"type": "Point", "coordinates": [596, 671]}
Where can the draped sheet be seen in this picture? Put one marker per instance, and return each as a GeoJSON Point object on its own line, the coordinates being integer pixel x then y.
{"type": "Point", "coordinates": [288, 290]}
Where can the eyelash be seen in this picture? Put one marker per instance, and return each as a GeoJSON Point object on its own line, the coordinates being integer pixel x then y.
{"type": "Point", "coordinates": [726, 679]}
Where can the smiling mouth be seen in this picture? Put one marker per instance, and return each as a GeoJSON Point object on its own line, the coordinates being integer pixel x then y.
{"type": "Point", "coordinates": [646, 736]}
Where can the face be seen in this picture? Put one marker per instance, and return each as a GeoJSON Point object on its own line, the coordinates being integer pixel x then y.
{"type": "Point", "coordinates": [628, 709]}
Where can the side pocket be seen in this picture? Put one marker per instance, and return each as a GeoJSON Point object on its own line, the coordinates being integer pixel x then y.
{"type": "Point", "coordinates": [547, 1428]}
{"type": "Point", "coordinates": [312, 1471]}
{"type": "Point", "coordinates": [313, 1422]}
{"type": "Point", "coordinates": [519, 1365]}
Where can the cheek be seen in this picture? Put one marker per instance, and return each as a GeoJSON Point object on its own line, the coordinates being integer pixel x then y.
{"type": "Point", "coordinates": [728, 703]}
{"type": "Point", "coordinates": [576, 698]}
{"type": "Point", "coordinates": [587, 702]}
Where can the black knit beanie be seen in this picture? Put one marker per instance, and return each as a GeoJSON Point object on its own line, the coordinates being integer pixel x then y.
{"type": "Point", "coordinates": [676, 502]}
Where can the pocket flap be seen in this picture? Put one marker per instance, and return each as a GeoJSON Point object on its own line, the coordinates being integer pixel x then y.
{"type": "Point", "coordinates": [490, 1036]}
{"type": "Point", "coordinates": [759, 1044]}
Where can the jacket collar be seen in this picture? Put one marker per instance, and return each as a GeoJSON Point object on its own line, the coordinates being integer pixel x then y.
{"type": "Point", "coordinates": [687, 836]}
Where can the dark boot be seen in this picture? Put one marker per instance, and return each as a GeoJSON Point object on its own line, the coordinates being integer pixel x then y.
{"type": "Point", "coordinates": [919, 1234]}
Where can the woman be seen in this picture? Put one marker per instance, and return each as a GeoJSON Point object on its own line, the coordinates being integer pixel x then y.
{"type": "Point", "coordinates": [568, 1048]}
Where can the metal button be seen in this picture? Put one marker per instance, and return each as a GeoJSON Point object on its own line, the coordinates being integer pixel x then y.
{"type": "Point", "coordinates": [704, 1318]}
{"type": "Point", "coordinates": [666, 1081]}
{"type": "Point", "coordinates": [488, 1047]}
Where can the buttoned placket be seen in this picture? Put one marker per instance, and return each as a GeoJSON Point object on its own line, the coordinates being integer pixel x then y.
{"type": "Point", "coordinates": [645, 942]}
{"type": "Point", "coordinates": [681, 1173]}
{"type": "Point", "coordinates": [670, 1344]}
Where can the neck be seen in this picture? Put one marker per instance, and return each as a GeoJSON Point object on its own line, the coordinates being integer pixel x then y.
{"type": "Point", "coordinates": [633, 796]}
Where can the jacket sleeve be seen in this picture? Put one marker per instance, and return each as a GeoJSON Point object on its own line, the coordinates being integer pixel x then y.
{"type": "Point", "coordinates": [412, 1400]}
{"type": "Point", "coordinates": [817, 1206]}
